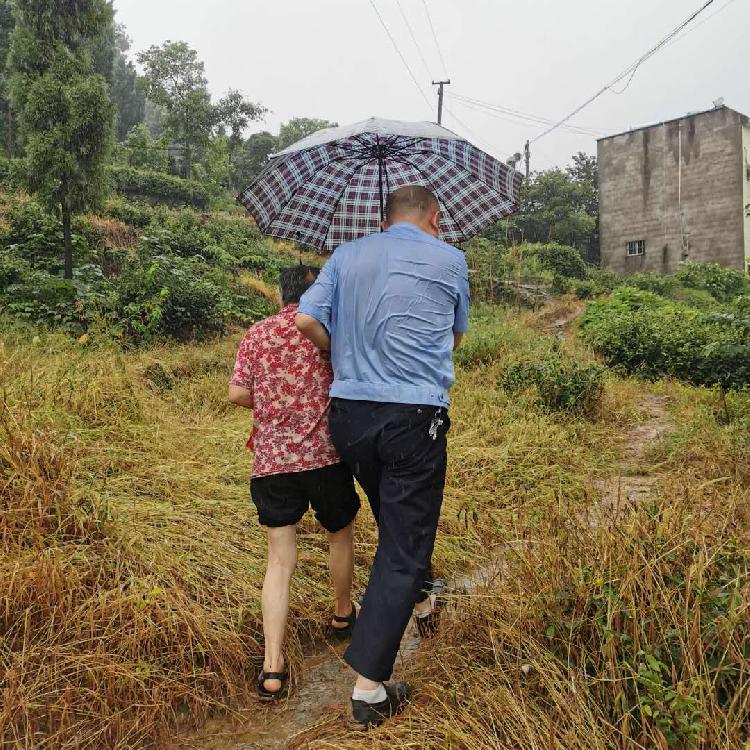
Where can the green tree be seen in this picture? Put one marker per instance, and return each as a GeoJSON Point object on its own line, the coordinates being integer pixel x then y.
{"type": "Point", "coordinates": [584, 171]}
{"type": "Point", "coordinates": [174, 79]}
{"type": "Point", "coordinates": [124, 89]}
{"type": "Point", "coordinates": [215, 171]}
{"type": "Point", "coordinates": [7, 22]}
{"type": "Point", "coordinates": [252, 157]}
{"type": "Point", "coordinates": [299, 127]}
{"type": "Point", "coordinates": [556, 205]}
{"type": "Point", "coordinates": [235, 112]}
{"type": "Point", "coordinates": [141, 151]}
{"type": "Point", "coordinates": [64, 112]}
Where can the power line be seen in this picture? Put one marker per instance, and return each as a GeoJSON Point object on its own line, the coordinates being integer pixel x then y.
{"type": "Point", "coordinates": [630, 71]}
{"type": "Point", "coordinates": [434, 36]}
{"type": "Point", "coordinates": [413, 38]}
{"type": "Point", "coordinates": [468, 130]}
{"type": "Point", "coordinates": [698, 25]}
{"type": "Point", "coordinates": [398, 51]}
{"type": "Point", "coordinates": [510, 115]}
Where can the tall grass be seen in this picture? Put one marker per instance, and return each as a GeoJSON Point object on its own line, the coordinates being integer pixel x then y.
{"type": "Point", "coordinates": [132, 562]}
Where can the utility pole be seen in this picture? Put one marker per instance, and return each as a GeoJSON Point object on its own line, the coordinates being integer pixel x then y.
{"type": "Point", "coordinates": [527, 158]}
{"type": "Point", "coordinates": [442, 84]}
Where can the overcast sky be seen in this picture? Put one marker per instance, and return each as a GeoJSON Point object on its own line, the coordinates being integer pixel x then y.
{"type": "Point", "coordinates": [332, 59]}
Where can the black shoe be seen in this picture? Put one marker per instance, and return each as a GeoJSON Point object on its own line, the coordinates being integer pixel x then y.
{"type": "Point", "coordinates": [427, 625]}
{"type": "Point", "coordinates": [366, 715]}
{"type": "Point", "coordinates": [348, 622]}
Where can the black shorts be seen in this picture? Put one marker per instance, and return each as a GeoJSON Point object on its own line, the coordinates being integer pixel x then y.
{"type": "Point", "coordinates": [282, 499]}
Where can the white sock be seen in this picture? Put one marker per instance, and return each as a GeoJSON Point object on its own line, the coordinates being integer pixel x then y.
{"type": "Point", "coordinates": [370, 696]}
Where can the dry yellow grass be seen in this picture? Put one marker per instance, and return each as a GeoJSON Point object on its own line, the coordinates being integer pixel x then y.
{"type": "Point", "coordinates": [132, 562]}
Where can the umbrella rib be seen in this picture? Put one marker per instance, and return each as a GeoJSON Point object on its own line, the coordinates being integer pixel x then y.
{"type": "Point", "coordinates": [346, 187]}
{"type": "Point", "coordinates": [309, 179]}
{"type": "Point", "coordinates": [424, 176]}
{"type": "Point", "coordinates": [462, 169]}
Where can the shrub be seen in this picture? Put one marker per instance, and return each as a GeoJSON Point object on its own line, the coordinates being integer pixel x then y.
{"type": "Point", "coordinates": [35, 235]}
{"type": "Point", "coordinates": [158, 186]}
{"type": "Point", "coordinates": [134, 213]}
{"type": "Point", "coordinates": [651, 337]}
{"type": "Point", "coordinates": [39, 298]}
{"type": "Point", "coordinates": [722, 283]}
{"type": "Point", "coordinates": [598, 282]}
{"type": "Point", "coordinates": [563, 261]}
{"type": "Point", "coordinates": [562, 384]}
{"type": "Point", "coordinates": [180, 298]}
{"type": "Point", "coordinates": [10, 175]}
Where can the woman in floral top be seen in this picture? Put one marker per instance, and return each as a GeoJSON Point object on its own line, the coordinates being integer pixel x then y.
{"type": "Point", "coordinates": [284, 379]}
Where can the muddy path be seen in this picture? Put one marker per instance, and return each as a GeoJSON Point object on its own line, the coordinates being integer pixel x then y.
{"type": "Point", "coordinates": [633, 482]}
{"type": "Point", "coordinates": [323, 690]}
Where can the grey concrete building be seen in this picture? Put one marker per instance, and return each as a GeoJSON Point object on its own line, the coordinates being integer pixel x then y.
{"type": "Point", "coordinates": [676, 192]}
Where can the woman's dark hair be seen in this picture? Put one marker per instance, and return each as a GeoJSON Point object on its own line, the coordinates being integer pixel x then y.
{"type": "Point", "coordinates": [295, 281]}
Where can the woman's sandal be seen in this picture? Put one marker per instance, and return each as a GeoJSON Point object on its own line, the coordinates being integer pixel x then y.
{"type": "Point", "coordinates": [271, 695]}
{"type": "Point", "coordinates": [350, 621]}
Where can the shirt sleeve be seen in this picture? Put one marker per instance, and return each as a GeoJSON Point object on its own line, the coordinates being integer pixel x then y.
{"type": "Point", "coordinates": [317, 301]}
{"type": "Point", "coordinates": [243, 366]}
{"type": "Point", "coordinates": [461, 316]}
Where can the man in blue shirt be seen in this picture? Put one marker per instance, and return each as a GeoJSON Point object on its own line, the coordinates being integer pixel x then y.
{"type": "Point", "coordinates": [392, 307]}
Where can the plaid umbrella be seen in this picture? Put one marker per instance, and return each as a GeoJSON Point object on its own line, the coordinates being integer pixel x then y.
{"type": "Point", "coordinates": [331, 187]}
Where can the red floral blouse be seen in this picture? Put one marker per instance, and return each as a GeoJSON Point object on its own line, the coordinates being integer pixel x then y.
{"type": "Point", "coordinates": [289, 379]}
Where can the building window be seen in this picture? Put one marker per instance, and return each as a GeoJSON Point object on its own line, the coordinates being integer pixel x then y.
{"type": "Point", "coordinates": [636, 247]}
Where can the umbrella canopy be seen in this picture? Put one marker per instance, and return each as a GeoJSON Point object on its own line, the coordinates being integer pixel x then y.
{"type": "Point", "coordinates": [331, 187]}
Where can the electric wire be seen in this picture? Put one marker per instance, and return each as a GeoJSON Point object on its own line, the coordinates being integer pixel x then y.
{"type": "Point", "coordinates": [413, 37]}
{"type": "Point", "coordinates": [629, 72]}
{"type": "Point", "coordinates": [434, 36]}
{"type": "Point", "coordinates": [509, 115]}
{"type": "Point", "coordinates": [400, 54]}
{"type": "Point", "coordinates": [472, 133]}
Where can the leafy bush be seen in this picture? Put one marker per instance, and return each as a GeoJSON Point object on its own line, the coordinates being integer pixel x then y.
{"type": "Point", "coordinates": [723, 284]}
{"type": "Point", "coordinates": [134, 213]}
{"type": "Point", "coordinates": [646, 335]}
{"type": "Point", "coordinates": [36, 236]}
{"type": "Point", "coordinates": [227, 241]}
{"type": "Point", "coordinates": [10, 175]}
{"type": "Point", "coordinates": [563, 261]}
{"type": "Point", "coordinates": [37, 297]}
{"type": "Point", "coordinates": [181, 298]}
{"type": "Point", "coordinates": [158, 186]}
{"type": "Point", "coordinates": [562, 384]}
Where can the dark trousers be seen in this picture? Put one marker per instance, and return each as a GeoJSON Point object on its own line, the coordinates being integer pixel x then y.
{"type": "Point", "coordinates": [397, 452]}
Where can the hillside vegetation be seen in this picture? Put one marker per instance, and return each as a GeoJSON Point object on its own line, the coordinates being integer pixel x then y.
{"type": "Point", "coordinates": [132, 561]}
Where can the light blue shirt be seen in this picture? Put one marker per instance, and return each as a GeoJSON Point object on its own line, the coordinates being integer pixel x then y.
{"type": "Point", "coordinates": [392, 302]}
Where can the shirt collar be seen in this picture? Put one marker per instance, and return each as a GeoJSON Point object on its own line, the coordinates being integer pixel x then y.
{"type": "Point", "coordinates": [289, 308]}
{"type": "Point", "coordinates": [405, 226]}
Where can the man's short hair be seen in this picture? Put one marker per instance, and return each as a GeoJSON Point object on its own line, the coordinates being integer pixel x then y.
{"type": "Point", "coordinates": [409, 201]}
{"type": "Point", "coordinates": [295, 281]}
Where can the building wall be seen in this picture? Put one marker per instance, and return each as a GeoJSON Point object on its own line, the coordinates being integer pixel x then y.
{"type": "Point", "coordinates": [678, 187]}
{"type": "Point", "coordinates": [746, 201]}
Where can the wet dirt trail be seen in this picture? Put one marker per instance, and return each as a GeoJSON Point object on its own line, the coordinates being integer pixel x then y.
{"type": "Point", "coordinates": [324, 688]}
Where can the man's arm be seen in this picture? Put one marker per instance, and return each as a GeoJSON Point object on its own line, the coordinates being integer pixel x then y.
{"type": "Point", "coordinates": [240, 396]}
{"type": "Point", "coordinates": [314, 330]}
{"type": "Point", "coordinates": [313, 319]}
{"type": "Point", "coordinates": [461, 312]}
